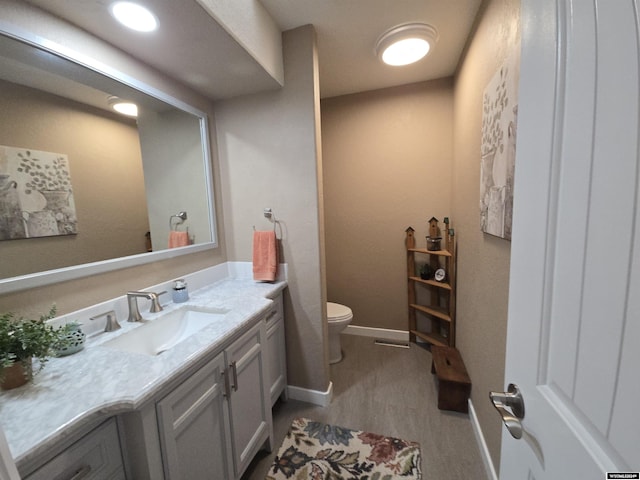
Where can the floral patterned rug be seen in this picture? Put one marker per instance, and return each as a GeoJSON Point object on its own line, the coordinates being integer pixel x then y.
{"type": "Point", "coordinates": [317, 451]}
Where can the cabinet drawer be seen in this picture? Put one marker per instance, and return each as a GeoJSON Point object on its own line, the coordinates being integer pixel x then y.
{"type": "Point", "coordinates": [96, 456]}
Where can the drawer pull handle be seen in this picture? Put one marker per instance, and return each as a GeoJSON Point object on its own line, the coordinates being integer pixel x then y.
{"type": "Point", "coordinates": [235, 376]}
{"type": "Point", "coordinates": [271, 315]}
{"type": "Point", "coordinates": [227, 389]}
{"type": "Point", "coordinates": [81, 473]}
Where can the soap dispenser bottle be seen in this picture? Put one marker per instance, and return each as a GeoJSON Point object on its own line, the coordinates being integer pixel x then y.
{"type": "Point", "coordinates": [180, 293]}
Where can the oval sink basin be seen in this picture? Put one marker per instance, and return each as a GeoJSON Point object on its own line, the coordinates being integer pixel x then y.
{"type": "Point", "coordinates": [161, 334]}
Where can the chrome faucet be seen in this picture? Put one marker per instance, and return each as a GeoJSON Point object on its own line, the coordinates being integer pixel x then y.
{"type": "Point", "coordinates": [132, 300]}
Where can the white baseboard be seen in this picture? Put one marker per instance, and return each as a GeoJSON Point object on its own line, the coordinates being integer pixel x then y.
{"type": "Point", "coordinates": [315, 397]}
{"type": "Point", "coordinates": [381, 333]}
{"type": "Point", "coordinates": [482, 445]}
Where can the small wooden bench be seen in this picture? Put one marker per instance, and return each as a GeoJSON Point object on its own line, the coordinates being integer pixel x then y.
{"type": "Point", "coordinates": [454, 384]}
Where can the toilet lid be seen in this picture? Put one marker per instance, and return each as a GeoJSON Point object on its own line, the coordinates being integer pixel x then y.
{"type": "Point", "coordinates": [335, 311]}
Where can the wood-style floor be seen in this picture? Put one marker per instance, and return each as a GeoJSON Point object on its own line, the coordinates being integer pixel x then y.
{"type": "Point", "coordinates": [390, 391]}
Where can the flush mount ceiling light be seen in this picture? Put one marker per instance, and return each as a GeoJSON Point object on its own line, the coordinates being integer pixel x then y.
{"type": "Point", "coordinates": [124, 107]}
{"type": "Point", "coordinates": [406, 44]}
{"type": "Point", "coordinates": [134, 16]}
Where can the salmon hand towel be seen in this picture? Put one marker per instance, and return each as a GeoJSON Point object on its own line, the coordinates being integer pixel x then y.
{"type": "Point", "coordinates": [265, 261]}
{"type": "Point", "coordinates": [178, 239]}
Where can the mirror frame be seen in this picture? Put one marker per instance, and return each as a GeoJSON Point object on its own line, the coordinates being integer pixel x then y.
{"type": "Point", "coordinates": [48, 277]}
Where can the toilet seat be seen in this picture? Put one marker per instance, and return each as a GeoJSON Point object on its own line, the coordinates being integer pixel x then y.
{"type": "Point", "coordinates": [337, 312]}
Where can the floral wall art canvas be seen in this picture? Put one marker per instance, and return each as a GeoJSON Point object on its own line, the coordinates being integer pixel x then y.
{"type": "Point", "coordinates": [498, 150]}
{"type": "Point", "coordinates": [36, 195]}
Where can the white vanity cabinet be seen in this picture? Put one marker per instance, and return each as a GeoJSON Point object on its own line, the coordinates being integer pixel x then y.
{"type": "Point", "coordinates": [276, 355]}
{"type": "Point", "coordinates": [213, 424]}
{"type": "Point", "coordinates": [249, 406]}
{"type": "Point", "coordinates": [96, 456]}
{"type": "Point", "coordinates": [194, 426]}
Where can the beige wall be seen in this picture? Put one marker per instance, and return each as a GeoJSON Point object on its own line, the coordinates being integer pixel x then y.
{"type": "Point", "coordinates": [73, 295]}
{"type": "Point", "coordinates": [387, 157]}
{"type": "Point", "coordinates": [268, 148]}
{"type": "Point", "coordinates": [483, 260]}
{"type": "Point", "coordinates": [106, 173]}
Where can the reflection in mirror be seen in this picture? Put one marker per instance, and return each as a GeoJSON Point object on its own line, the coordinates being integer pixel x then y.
{"type": "Point", "coordinates": [128, 177]}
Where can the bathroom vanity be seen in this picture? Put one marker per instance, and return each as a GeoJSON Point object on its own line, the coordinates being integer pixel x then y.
{"type": "Point", "coordinates": [198, 409]}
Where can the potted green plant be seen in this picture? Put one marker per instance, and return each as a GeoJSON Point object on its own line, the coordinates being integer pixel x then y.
{"type": "Point", "coordinates": [22, 340]}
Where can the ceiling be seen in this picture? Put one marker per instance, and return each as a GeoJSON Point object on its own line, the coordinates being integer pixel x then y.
{"type": "Point", "coordinates": [191, 46]}
{"type": "Point", "coordinates": [347, 32]}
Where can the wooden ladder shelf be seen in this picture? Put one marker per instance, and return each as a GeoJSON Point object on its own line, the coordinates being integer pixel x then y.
{"type": "Point", "coordinates": [432, 311]}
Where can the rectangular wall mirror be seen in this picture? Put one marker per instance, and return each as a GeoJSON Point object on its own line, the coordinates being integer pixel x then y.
{"type": "Point", "coordinates": [124, 180]}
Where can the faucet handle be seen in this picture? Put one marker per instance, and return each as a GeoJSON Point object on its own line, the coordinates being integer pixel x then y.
{"type": "Point", "coordinates": [112, 321]}
{"type": "Point", "coordinates": [155, 303]}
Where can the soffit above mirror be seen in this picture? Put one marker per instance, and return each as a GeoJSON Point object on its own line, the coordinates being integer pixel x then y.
{"type": "Point", "coordinates": [190, 45]}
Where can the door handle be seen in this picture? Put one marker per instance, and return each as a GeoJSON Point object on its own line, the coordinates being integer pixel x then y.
{"type": "Point", "coordinates": [227, 389]}
{"type": "Point", "coordinates": [511, 399]}
{"type": "Point", "coordinates": [234, 369]}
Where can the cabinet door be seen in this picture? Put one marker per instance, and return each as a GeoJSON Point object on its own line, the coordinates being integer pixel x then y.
{"type": "Point", "coordinates": [96, 456]}
{"type": "Point", "coordinates": [249, 405]}
{"type": "Point", "coordinates": [194, 427]}
{"type": "Point", "coordinates": [276, 358]}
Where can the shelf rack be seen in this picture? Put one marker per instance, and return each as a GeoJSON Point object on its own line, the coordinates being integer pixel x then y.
{"type": "Point", "coordinates": [439, 309]}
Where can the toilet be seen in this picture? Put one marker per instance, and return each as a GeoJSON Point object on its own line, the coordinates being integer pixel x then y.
{"type": "Point", "coordinates": [338, 317]}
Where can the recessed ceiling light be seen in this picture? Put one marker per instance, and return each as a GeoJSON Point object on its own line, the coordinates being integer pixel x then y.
{"type": "Point", "coordinates": [123, 106]}
{"type": "Point", "coordinates": [134, 16]}
{"type": "Point", "coordinates": [406, 44]}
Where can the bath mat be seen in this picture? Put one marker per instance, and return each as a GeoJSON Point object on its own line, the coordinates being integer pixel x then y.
{"type": "Point", "coordinates": [317, 451]}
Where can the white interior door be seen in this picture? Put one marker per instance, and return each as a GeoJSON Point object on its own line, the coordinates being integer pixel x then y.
{"type": "Point", "coordinates": [573, 343]}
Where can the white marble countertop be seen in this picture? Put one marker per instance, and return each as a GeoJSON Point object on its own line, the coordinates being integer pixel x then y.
{"type": "Point", "coordinates": [99, 381]}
